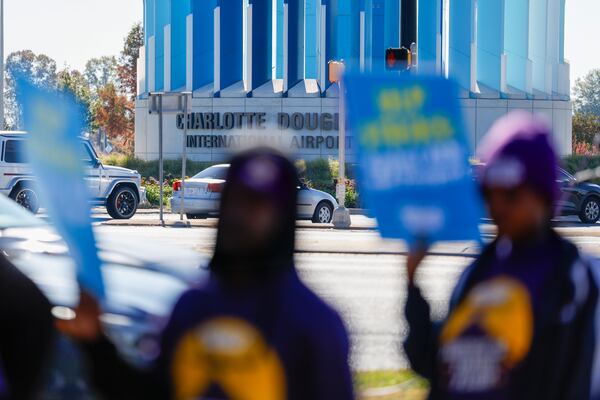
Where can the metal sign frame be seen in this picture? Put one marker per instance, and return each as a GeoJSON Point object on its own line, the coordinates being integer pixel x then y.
{"type": "Point", "coordinates": [156, 107]}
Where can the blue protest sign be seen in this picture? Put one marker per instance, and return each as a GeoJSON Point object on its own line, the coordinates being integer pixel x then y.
{"type": "Point", "coordinates": [55, 123]}
{"type": "Point", "coordinates": [413, 156]}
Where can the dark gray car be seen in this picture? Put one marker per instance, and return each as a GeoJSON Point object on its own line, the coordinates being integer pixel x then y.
{"type": "Point", "coordinates": [578, 198]}
{"type": "Point", "coordinates": [143, 281]}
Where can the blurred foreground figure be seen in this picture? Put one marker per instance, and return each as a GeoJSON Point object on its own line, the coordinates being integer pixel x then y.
{"type": "Point", "coordinates": [521, 318]}
{"type": "Point", "coordinates": [26, 335]}
{"type": "Point", "coordinates": [254, 331]}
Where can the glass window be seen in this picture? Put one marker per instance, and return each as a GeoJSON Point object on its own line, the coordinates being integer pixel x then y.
{"type": "Point", "coordinates": [216, 172]}
{"type": "Point", "coordinates": [85, 156]}
{"type": "Point", "coordinates": [14, 152]}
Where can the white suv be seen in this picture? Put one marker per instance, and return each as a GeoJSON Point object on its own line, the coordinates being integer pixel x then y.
{"type": "Point", "coordinates": [116, 188]}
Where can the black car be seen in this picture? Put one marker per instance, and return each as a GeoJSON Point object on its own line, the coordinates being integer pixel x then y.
{"type": "Point", "coordinates": [578, 198]}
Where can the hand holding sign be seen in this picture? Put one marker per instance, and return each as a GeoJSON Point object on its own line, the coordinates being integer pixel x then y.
{"type": "Point", "coordinates": [413, 157]}
{"type": "Point", "coordinates": [55, 122]}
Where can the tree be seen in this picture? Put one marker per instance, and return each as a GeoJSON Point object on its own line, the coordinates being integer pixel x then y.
{"type": "Point", "coordinates": [587, 93]}
{"type": "Point", "coordinates": [586, 131]}
{"type": "Point", "coordinates": [41, 69]}
{"type": "Point", "coordinates": [100, 72]}
{"type": "Point", "coordinates": [114, 113]}
{"type": "Point", "coordinates": [75, 82]}
{"type": "Point", "coordinates": [127, 69]}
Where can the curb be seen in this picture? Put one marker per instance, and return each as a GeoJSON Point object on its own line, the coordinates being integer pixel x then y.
{"type": "Point", "coordinates": [213, 224]}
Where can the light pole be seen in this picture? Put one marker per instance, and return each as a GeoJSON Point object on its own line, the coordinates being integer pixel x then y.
{"type": "Point", "coordinates": [341, 215]}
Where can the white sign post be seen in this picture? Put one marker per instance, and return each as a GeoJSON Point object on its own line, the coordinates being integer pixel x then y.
{"type": "Point", "coordinates": [341, 215]}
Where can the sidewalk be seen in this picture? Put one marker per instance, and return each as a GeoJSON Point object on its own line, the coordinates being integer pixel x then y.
{"type": "Point", "coordinates": [150, 217]}
{"type": "Point", "coordinates": [567, 226]}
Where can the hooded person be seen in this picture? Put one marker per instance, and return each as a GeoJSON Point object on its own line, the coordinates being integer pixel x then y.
{"type": "Point", "coordinates": [521, 319]}
{"type": "Point", "coordinates": [254, 330]}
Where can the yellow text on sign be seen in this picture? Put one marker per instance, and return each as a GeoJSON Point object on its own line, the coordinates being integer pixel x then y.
{"type": "Point", "coordinates": [408, 99]}
{"type": "Point", "coordinates": [395, 133]}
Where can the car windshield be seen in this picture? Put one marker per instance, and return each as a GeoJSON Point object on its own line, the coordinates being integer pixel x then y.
{"type": "Point", "coordinates": [564, 175]}
{"type": "Point", "coordinates": [87, 153]}
{"type": "Point", "coordinates": [216, 172]}
{"type": "Point", "coordinates": [13, 215]}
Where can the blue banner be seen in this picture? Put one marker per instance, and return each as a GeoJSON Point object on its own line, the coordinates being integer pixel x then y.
{"type": "Point", "coordinates": [55, 123]}
{"type": "Point", "coordinates": [413, 157]}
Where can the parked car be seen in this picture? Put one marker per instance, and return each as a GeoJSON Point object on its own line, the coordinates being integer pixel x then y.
{"type": "Point", "coordinates": [203, 193]}
{"type": "Point", "coordinates": [579, 198]}
{"type": "Point", "coordinates": [117, 189]}
{"type": "Point", "coordinates": [143, 281]}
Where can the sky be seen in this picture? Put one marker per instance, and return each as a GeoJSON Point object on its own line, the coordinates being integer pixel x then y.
{"type": "Point", "coordinates": [73, 31]}
{"type": "Point", "coordinates": [582, 35]}
{"type": "Point", "coordinates": [69, 31]}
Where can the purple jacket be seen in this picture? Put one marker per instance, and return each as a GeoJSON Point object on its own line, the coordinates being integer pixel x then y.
{"type": "Point", "coordinates": [520, 326]}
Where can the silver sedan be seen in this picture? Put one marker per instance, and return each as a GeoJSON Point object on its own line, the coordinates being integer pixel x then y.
{"type": "Point", "coordinates": [203, 194]}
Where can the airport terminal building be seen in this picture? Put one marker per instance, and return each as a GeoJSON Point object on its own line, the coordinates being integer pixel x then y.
{"type": "Point", "coordinates": [257, 69]}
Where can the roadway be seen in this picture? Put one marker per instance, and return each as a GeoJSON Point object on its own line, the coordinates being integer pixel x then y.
{"type": "Point", "coordinates": [360, 274]}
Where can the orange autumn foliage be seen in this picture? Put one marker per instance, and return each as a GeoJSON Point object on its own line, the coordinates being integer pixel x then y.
{"type": "Point", "coordinates": [115, 113]}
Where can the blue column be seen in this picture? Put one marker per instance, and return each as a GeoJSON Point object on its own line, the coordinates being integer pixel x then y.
{"type": "Point", "coordinates": [538, 20]}
{"type": "Point", "coordinates": [461, 36]}
{"type": "Point", "coordinates": [204, 33]}
{"type": "Point", "coordinates": [310, 43]}
{"type": "Point", "coordinates": [430, 26]}
{"type": "Point", "coordinates": [375, 11]}
{"type": "Point", "coordinates": [391, 25]}
{"type": "Point", "coordinates": [163, 18]}
{"type": "Point", "coordinates": [490, 42]}
{"type": "Point", "coordinates": [231, 50]}
{"type": "Point", "coordinates": [561, 43]}
{"type": "Point", "coordinates": [295, 45]}
{"type": "Point", "coordinates": [180, 9]}
{"type": "Point", "coordinates": [346, 29]}
{"type": "Point", "coordinates": [262, 42]}
{"type": "Point", "coordinates": [279, 60]}
{"type": "Point", "coordinates": [149, 30]}
{"type": "Point", "coordinates": [516, 42]}
{"type": "Point", "coordinates": [342, 32]}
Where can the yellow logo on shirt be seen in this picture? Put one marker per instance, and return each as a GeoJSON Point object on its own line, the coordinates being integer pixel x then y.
{"type": "Point", "coordinates": [501, 308]}
{"type": "Point", "coordinates": [231, 354]}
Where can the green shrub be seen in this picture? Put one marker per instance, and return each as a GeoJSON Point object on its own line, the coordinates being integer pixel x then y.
{"type": "Point", "coordinates": [352, 198]}
{"type": "Point", "coordinates": [149, 169]}
{"type": "Point", "coordinates": [322, 174]}
{"type": "Point", "coordinates": [153, 191]}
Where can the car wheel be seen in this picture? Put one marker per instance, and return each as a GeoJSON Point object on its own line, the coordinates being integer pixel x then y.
{"type": "Point", "coordinates": [590, 211]}
{"type": "Point", "coordinates": [122, 203]}
{"type": "Point", "coordinates": [26, 197]}
{"type": "Point", "coordinates": [323, 213]}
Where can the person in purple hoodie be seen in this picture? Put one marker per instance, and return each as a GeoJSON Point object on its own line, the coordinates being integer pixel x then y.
{"type": "Point", "coordinates": [521, 318]}
{"type": "Point", "coordinates": [254, 331]}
